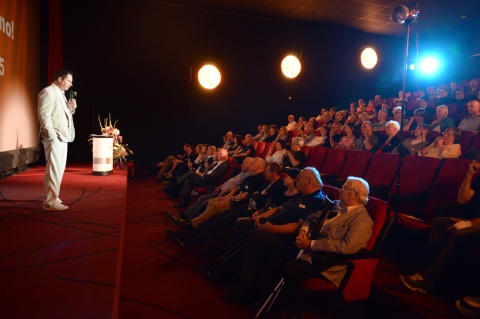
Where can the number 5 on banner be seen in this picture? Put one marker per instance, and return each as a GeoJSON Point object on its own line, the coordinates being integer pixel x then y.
{"type": "Point", "coordinates": [2, 67]}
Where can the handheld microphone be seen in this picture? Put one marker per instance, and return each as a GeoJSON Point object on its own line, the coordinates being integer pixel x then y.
{"type": "Point", "coordinates": [72, 95]}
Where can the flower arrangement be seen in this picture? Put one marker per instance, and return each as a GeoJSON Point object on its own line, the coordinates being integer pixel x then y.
{"type": "Point", "coordinates": [120, 150]}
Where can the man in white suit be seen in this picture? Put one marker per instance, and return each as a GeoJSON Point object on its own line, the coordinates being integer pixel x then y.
{"type": "Point", "coordinates": [55, 114]}
{"type": "Point", "coordinates": [344, 232]}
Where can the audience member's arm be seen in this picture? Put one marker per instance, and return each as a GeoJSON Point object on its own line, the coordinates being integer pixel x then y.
{"type": "Point", "coordinates": [407, 127]}
{"type": "Point", "coordinates": [465, 193]}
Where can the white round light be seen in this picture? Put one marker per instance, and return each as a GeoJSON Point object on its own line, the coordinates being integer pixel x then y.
{"type": "Point", "coordinates": [209, 77]}
{"type": "Point", "coordinates": [291, 66]}
{"type": "Point", "coordinates": [369, 58]}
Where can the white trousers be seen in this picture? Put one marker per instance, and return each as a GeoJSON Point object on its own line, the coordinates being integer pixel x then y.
{"type": "Point", "coordinates": [56, 156]}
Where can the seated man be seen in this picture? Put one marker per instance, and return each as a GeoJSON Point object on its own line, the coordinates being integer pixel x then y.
{"type": "Point", "coordinates": [367, 141]}
{"type": "Point", "coordinates": [291, 123]}
{"type": "Point", "coordinates": [271, 192]}
{"type": "Point", "coordinates": [382, 120]}
{"type": "Point", "coordinates": [452, 240]}
{"type": "Point", "coordinates": [344, 233]}
{"type": "Point", "coordinates": [247, 149]}
{"type": "Point", "coordinates": [295, 157]}
{"type": "Point", "coordinates": [442, 121]}
{"type": "Point", "coordinates": [335, 134]}
{"type": "Point", "coordinates": [226, 189]}
{"type": "Point", "coordinates": [270, 237]}
{"type": "Point", "coordinates": [206, 179]}
{"type": "Point", "coordinates": [472, 122]}
{"type": "Point", "coordinates": [218, 205]}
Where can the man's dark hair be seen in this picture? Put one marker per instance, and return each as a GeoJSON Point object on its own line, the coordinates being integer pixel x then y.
{"type": "Point", "coordinates": [62, 73]}
{"type": "Point", "coordinates": [275, 167]}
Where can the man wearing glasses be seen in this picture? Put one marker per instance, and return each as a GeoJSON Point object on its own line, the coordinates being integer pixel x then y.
{"type": "Point", "coordinates": [270, 237]}
{"type": "Point", "coordinates": [345, 231]}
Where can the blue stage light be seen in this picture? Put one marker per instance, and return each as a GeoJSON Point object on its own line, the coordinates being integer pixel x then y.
{"type": "Point", "coordinates": [429, 65]}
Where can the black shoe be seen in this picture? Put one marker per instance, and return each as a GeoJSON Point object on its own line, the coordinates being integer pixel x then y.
{"type": "Point", "coordinates": [180, 222]}
{"type": "Point", "coordinates": [176, 238]}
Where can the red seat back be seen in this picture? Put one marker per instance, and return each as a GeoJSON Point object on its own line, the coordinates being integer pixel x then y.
{"type": "Point", "coordinates": [382, 169]}
{"type": "Point", "coordinates": [416, 175]}
{"type": "Point", "coordinates": [356, 164]}
{"type": "Point", "coordinates": [307, 150]}
{"type": "Point", "coordinates": [317, 157]}
{"type": "Point", "coordinates": [334, 162]}
{"type": "Point", "coordinates": [261, 147]}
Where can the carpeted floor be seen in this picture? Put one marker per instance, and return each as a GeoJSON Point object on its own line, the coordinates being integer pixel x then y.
{"type": "Point", "coordinates": [60, 264]}
{"type": "Point", "coordinates": [65, 264]}
{"type": "Point", "coordinates": [159, 280]}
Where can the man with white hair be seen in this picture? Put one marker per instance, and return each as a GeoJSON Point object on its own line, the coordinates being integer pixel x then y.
{"type": "Point", "coordinates": [442, 121]}
{"type": "Point", "coordinates": [291, 123]}
{"type": "Point", "coordinates": [270, 236]}
{"type": "Point", "coordinates": [345, 231]}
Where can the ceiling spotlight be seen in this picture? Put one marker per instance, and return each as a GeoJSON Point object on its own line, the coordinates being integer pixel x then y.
{"type": "Point", "coordinates": [209, 76]}
{"type": "Point", "coordinates": [404, 14]}
{"type": "Point", "coordinates": [291, 66]}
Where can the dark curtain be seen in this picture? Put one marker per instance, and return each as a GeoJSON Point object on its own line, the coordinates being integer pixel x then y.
{"type": "Point", "coordinates": [55, 53]}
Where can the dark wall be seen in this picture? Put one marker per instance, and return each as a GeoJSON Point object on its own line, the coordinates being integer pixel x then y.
{"type": "Point", "coordinates": [138, 60]}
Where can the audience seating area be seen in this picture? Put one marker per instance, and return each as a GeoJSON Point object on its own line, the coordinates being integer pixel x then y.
{"type": "Point", "coordinates": [428, 186]}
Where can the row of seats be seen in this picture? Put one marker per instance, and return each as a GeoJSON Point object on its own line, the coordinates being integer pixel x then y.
{"type": "Point", "coordinates": [467, 140]}
{"type": "Point", "coordinates": [426, 184]}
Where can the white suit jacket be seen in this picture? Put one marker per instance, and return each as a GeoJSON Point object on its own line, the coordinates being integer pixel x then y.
{"type": "Point", "coordinates": [345, 235]}
{"type": "Point", "coordinates": [54, 116]}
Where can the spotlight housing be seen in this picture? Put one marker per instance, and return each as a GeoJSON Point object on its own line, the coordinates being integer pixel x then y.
{"type": "Point", "coordinates": [405, 14]}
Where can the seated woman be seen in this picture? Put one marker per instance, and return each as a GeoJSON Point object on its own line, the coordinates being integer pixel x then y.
{"type": "Point", "coordinates": [282, 134]}
{"type": "Point", "coordinates": [180, 167]}
{"type": "Point", "coordinates": [391, 140]}
{"type": "Point", "coordinates": [444, 146]}
{"type": "Point", "coordinates": [411, 146]}
{"type": "Point", "coordinates": [272, 134]}
{"type": "Point", "coordinates": [301, 124]}
{"type": "Point", "coordinates": [323, 139]}
{"type": "Point", "coordinates": [201, 151]}
{"type": "Point", "coordinates": [279, 148]}
{"type": "Point", "coordinates": [348, 141]}
{"type": "Point", "coordinates": [417, 118]}
{"type": "Point", "coordinates": [262, 131]}
{"type": "Point", "coordinates": [295, 157]}
{"type": "Point", "coordinates": [340, 117]}
{"type": "Point", "coordinates": [236, 146]}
